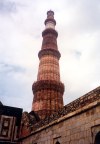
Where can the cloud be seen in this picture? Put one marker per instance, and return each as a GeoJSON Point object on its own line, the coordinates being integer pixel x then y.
{"type": "Point", "coordinates": [21, 25]}
{"type": "Point", "coordinates": [4, 67]}
{"type": "Point", "coordinates": [15, 86]}
{"type": "Point", "coordinates": [7, 6]}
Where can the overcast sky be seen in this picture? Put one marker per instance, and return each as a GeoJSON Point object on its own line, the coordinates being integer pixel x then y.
{"type": "Point", "coordinates": [21, 25]}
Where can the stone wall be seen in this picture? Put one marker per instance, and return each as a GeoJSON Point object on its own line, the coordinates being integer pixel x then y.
{"type": "Point", "coordinates": [10, 119]}
{"type": "Point", "coordinates": [77, 127]}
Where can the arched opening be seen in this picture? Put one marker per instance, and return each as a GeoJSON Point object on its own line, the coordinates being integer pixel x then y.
{"type": "Point", "coordinates": [57, 142]}
{"type": "Point", "coordinates": [97, 138]}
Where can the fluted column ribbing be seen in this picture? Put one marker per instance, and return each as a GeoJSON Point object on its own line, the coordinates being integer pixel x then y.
{"type": "Point", "coordinates": [48, 90]}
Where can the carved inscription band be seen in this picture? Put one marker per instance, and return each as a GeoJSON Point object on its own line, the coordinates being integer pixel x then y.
{"type": "Point", "coordinates": [49, 52]}
{"type": "Point", "coordinates": [48, 84]}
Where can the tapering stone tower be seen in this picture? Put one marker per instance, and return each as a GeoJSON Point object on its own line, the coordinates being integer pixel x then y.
{"type": "Point", "coordinates": [48, 90]}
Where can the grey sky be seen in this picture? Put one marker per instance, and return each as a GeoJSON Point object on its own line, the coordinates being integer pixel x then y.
{"type": "Point", "coordinates": [21, 25]}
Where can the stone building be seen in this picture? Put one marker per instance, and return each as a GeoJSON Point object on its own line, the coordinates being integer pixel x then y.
{"type": "Point", "coordinates": [10, 119]}
{"type": "Point", "coordinates": [76, 123]}
{"type": "Point", "coordinates": [50, 122]}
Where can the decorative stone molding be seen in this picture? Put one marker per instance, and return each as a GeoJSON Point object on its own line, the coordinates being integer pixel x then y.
{"type": "Point", "coordinates": [54, 32]}
{"type": "Point", "coordinates": [50, 19]}
{"type": "Point", "coordinates": [79, 103]}
{"type": "Point", "coordinates": [49, 52]}
{"type": "Point", "coordinates": [48, 84]}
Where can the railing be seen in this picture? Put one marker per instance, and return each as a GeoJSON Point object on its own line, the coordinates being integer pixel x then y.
{"type": "Point", "coordinates": [86, 99]}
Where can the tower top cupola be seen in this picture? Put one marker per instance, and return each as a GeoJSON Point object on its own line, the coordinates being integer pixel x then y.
{"type": "Point", "coordinates": [50, 14]}
{"type": "Point", "coordinates": [50, 21]}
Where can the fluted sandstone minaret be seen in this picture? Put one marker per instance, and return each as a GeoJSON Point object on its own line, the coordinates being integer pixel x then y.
{"type": "Point", "coordinates": [48, 89]}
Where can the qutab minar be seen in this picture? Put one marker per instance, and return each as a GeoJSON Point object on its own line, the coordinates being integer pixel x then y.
{"type": "Point", "coordinates": [50, 122]}
{"type": "Point", "coordinates": [48, 89]}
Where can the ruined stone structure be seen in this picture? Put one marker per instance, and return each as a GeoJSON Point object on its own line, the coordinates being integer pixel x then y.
{"type": "Point", "coordinates": [76, 123]}
{"type": "Point", "coordinates": [48, 89]}
{"type": "Point", "coordinates": [10, 119]}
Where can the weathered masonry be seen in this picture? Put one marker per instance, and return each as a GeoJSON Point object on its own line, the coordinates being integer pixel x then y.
{"type": "Point", "coordinates": [76, 123]}
{"type": "Point", "coordinates": [10, 119]}
{"type": "Point", "coordinates": [48, 89]}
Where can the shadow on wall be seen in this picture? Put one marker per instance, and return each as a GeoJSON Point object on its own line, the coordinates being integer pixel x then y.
{"type": "Point", "coordinates": [57, 142]}
{"type": "Point", "coordinates": [97, 138]}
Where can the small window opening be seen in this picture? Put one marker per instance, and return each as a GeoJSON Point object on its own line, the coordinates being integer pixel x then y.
{"type": "Point", "coordinates": [57, 142]}
{"type": "Point", "coordinates": [97, 138]}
